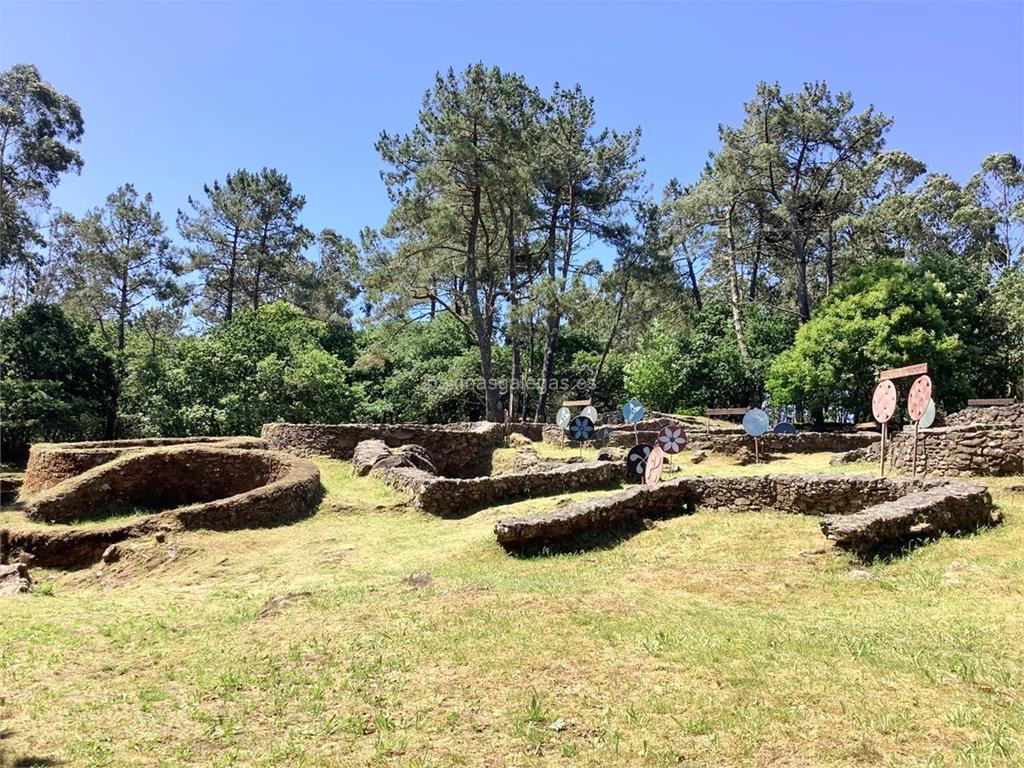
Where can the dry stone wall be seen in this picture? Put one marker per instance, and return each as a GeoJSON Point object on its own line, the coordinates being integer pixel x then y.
{"type": "Point", "coordinates": [209, 487]}
{"type": "Point", "coordinates": [454, 449]}
{"type": "Point", "coordinates": [831, 497]}
{"type": "Point", "coordinates": [801, 442]}
{"type": "Point", "coordinates": [721, 440]}
{"type": "Point", "coordinates": [450, 497]}
{"type": "Point", "coordinates": [975, 441]}
{"type": "Point", "coordinates": [943, 508]}
{"type": "Point", "coordinates": [1003, 416]}
{"type": "Point", "coordinates": [52, 463]}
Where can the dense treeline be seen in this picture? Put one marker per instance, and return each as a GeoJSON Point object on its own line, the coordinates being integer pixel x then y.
{"type": "Point", "coordinates": [806, 256]}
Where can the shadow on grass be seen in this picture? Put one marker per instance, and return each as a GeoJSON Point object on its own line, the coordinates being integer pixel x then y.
{"type": "Point", "coordinates": [894, 551]}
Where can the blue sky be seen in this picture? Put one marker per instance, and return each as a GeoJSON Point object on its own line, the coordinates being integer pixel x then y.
{"type": "Point", "coordinates": [175, 95]}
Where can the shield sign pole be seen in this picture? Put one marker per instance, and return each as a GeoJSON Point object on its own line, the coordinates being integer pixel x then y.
{"type": "Point", "coordinates": [881, 463]}
{"type": "Point", "coordinates": [917, 426]}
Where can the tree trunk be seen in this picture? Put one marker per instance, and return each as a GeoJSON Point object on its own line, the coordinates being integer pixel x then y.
{"type": "Point", "coordinates": [818, 416]}
{"type": "Point", "coordinates": [694, 288]}
{"type": "Point", "coordinates": [734, 292]}
{"type": "Point", "coordinates": [481, 327]}
{"type": "Point", "coordinates": [829, 261]}
{"type": "Point", "coordinates": [755, 268]}
{"type": "Point", "coordinates": [232, 269]}
{"type": "Point", "coordinates": [111, 429]}
{"type": "Point", "coordinates": [550, 325]}
{"type": "Point", "coordinates": [800, 263]}
{"type": "Point", "coordinates": [619, 305]}
{"type": "Point", "coordinates": [256, 286]}
{"type": "Point", "coordinates": [515, 381]}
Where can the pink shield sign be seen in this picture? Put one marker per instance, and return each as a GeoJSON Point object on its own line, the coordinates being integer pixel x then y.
{"type": "Point", "coordinates": [883, 402]}
{"type": "Point", "coordinates": [655, 463]}
{"type": "Point", "coordinates": [919, 397]}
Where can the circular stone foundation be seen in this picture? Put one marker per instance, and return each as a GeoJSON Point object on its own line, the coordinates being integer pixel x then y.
{"type": "Point", "coordinates": [182, 487]}
{"type": "Point", "coordinates": [52, 463]}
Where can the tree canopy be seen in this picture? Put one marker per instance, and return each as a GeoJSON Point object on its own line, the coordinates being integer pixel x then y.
{"type": "Point", "coordinates": [805, 256]}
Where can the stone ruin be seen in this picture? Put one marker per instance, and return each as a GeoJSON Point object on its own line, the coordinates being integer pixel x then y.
{"type": "Point", "coordinates": [224, 483]}
{"type": "Point", "coordinates": [204, 485]}
{"type": "Point", "coordinates": [51, 463]}
{"type": "Point", "coordinates": [408, 469]}
{"type": "Point", "coordinates": [861, 514]}
{"type": "Point", "coordinates": [728, 440]}
{"type": "Point", "coordinates": [437, 465]}
{"type": "Point", "coordinates": [975, 441]}
{"type": "Point", "coordinates": [456, 450]}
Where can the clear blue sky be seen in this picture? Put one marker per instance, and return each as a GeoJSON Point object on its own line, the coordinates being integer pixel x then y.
{"type": "Point", "coordinates": [178, 94]}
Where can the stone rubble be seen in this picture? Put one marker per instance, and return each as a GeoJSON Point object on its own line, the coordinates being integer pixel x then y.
{"type": "Point", "coordinates": [14, 579]}
{"type": "Point", "coordinates": [453, 449]}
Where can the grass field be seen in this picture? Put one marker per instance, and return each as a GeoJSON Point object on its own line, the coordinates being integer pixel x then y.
{"type": "Point", "coordinates": [714, 639]}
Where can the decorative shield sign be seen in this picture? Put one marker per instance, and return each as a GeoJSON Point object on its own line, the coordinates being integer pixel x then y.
{"type": "Point", "coordinates": [883, 401]}
{"type": "Point", "coordinates": [563, 417]}
{"type": "Point", "coordinates": [655, 463]}
{"type": "Point", "coordinates": [636, 460]}
{"type": "Point", "coordinates": [919, 397]}
{"type": "Point", "coordinates": [581, 428]}
{"type": "Point", "coordinates": [928, 418]}
{"type": "Point", "coordinates": [632, 412]}
{"type": "Point", "coordinates": [784, 428]}
{"type": "Point", "coordinates": [755, 422]}
{"type": "Point", "coordinates": [591, 413]}
{"type": "Point", "coordinates": [671, 438]}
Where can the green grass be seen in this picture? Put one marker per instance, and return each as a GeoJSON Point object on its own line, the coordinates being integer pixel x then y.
{"type": "Point", "coordinates": [714, 639]}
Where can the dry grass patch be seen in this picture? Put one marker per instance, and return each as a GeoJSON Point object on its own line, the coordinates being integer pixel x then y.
{"type": "Point", "coordinates": [713, 639]}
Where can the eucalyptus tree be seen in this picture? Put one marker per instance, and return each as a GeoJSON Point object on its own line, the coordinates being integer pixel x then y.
{"type": "Point", "coordinates": [451, 181]}
{"type": "Point", "coordinates": [38, 126]}
{"type": "Point", "coordinates": [124, 265]}
{"type": "Point", "coordinates": [587, 180]}
{"type": "Point", "coordinates": [999, 188]}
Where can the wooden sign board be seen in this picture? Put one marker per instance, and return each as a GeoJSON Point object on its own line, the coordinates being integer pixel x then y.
{"type": "Point", "coordinates": [988, 402]}
{"type": "Point", "coordinates": [576, 403]}
{"type": "Point", "coordinates": [725, 411]}
{"type": "Point", "coordinates": [907, 370]}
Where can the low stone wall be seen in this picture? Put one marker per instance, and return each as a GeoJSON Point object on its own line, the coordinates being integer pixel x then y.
{"type": "Point", "coordinates": [52, 463]}
{"type": "Point", "coordinates": [453, 497]}
{"type": "Point", "coordinates": [454, 449]}
{"type": "Point", "coordinates": [1002, 416]}
{"type": "Point", "coordinates": [724, 441]}
{"type": "Point", "coordinates": [820, 495]}
{"type": "Point", "coordinates": [945, 508]}
{"type": "Point", "coordinates": [534, 432]}
{"type": "Point", "coordinates": [449, 497]}
{"type": "Point", "coordinates": [221, 489]}
{"type": "Point", "coordinates": [801, 442]}
{"type": "Point", "coordinates": [968, 450]}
